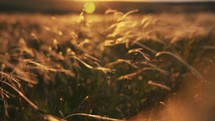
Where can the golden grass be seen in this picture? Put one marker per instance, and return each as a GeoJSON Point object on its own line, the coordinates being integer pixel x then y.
{"type": "Point", "coordinates": [116, 60]}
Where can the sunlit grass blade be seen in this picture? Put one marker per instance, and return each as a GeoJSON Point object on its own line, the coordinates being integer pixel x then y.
{"type": "Point", "coordinates": [139, 50]}
{"type": "Point", "coordinates": [112, 11]}
{"type": "Point", "coordinates": [43, 67]}
{"type": "Point", "coordinates": [146, 56]}
{"type": "Point", "coordinates": [146, 47]}
{"type": "Point", "coordinates": [104, 70]}
{"type": "Point", "coordinates": [92, 57]}
{"type": "Point", "coordinates": [159, 85]}
{"type": "Point", "coordinates": [21, 95]}
{"type": "Point", "coordinates": [9, 77]}
{"type": "Point", "coordinates": [18, 72]}
{"type": "Point", "coordinates": [53, 118]}
{"type": "Point", "coordinates": [53, 53]}
{"type": "Point", "coordinates": [126, 14]}
{"type": "Point", "coordinates": [25, 78]}
{"type": "Point", "coordinates": [193, 70]}
{"type": "Point", "coordinates": [28, 61]}
{"type": "Point", "coordinates": [118, 61]}
{"type": "Point", "coordinates": [84, 63]}
{"type": "Point", "coordinates": [57, 55]}
{"type": "Point", "coordinates": [110, 43]}
{"type": "Point", "coordinates": [6, 93]}
{"type": "Point", "coordinates": [134, 74]}
{"type": "Point", "coordinates": [25, 48]}
{"type": "Point", "coordinates": [158, 69]}
{"type": "Point", "coordinates": [94, 116]}
{"type": "Point", "coordinates": [136, 50]}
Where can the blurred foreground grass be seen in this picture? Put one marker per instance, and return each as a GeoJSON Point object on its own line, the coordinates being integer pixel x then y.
{"type": "Point", "coordinates": [113, 65]}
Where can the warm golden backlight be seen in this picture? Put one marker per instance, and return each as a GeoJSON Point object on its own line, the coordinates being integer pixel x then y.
{"type": "Point", "coordinates": [89, 7]}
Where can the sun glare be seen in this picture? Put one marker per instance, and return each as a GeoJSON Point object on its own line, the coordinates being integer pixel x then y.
{"type": "Point", "coordinates": [89, 7]}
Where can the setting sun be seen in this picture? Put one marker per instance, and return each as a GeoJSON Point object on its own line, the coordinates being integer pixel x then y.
{"type": "Point", "coordinates": [89, 7]}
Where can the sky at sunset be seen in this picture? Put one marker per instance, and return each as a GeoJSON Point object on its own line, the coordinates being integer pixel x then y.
{"type": "Point", "coordinates": [102, 5]}
{"type": "Point", "coordinates": [147, 0]}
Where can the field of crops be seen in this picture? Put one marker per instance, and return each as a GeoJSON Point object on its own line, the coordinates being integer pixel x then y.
{"type": "Point", "coordinates": [106, 67]}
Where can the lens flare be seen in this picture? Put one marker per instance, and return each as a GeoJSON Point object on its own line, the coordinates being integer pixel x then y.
{"type": "Point", "coordinates": [89, 7]}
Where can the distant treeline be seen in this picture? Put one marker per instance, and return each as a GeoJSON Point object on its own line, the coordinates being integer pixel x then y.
{"type": "Point", "coordinates": [62, 6]}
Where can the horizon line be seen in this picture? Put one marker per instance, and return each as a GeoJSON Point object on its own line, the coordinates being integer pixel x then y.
{"type": "Point", "coordinates": [143, 0]}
